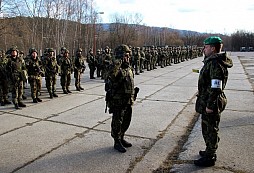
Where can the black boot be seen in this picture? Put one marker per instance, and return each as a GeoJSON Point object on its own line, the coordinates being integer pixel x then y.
{"type": "Point", "coordinates": [206, 161]}
{"type": "Point", "coordinates": [77, 88]}
{"type": "Point", "coordinates": [55, 95]}
{"type": "Point", "coordinates": [118, 146]}
{"type": "Point", "coordinates": [35, 100]}
{"type": "Point", "coordinates": [21, 104]}
{"type": "Point", "coordinates": [38, 99]}
{"type": "Point", "coordinates": [68, 90]}
{"type": "Point", "coordinates": [202, 153]}
{"type": "Point", "coordinates": [65, 91]}
{"type": "Point", "coordinates": [81, 88]}
{"type": "Point", "coordinates": [125, 143]}
{"type": "Point", "coordinates": [2, 103]}
{"type": "Point", "coordinates": [51, 95]}
{"type": "Point", "coordinates": [24, 97]}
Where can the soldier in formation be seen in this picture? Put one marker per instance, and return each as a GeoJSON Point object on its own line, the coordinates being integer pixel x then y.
{"type": "Point", "coordinates": [79, 68]}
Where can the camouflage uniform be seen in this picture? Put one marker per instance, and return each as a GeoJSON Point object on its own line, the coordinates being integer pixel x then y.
{"type": "Point", "coordinates": [3, 80]}
{"type": "Point", "coordinates": [91, 63]}
{"type": "Point", "coordinates": [35, 71]}
{"type": "Point", "coordinates": [17, 74]}
{"type": "Point", "coordinates": [79, 68]}
{"type": "Point", "coordinates": [106, 62]}
{"type": "Point", "coordinates": [51, 70]}
{"type": "Point", "coordinates": [98, 60]}
{"type": "Point", "coordinates": [212, 81]}
{"type": "Point", "coordinates": [120, 96]}
{"type": "Point", "coordinates": [136, 60]}
{"type": "Point", "coordinates": [66, 67]}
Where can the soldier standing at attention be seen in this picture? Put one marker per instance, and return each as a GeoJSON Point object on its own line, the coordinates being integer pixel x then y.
{"type": "Point", "coordinates": [98, 60]}
{"type": "Point", "coordinates": [91, 63]}
{"type": "Point", "coordinates": [51, 71]}
{"type": "Point", "coordinates": [211, 100]}
{"type": "Point", "coordinates": [34, 70]}
{"type": "Point", "coordinates": [66, 71]}
{"type": "Point", "coordinates": [120, 96]}
{"type": "Point", "coordinates": [3, 80]}
{"type": "Point", "coordinates": [79, 68]}
{"type": "Point", "coordinates": [15, 67]}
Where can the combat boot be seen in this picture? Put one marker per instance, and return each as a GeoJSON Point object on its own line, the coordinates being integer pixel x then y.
{"type": "Point", "coordinates": [206, 161]}
{"type": "Point", "coordinates": [38, 99]}
{"type": "Point", "coordinates": [68, 90]}
{"type": "Point", "coordinates": [202, 153]}
{"type": "Point", "coordinates": [51, 95]}
{"type": "Point", "coordinates": [118, 146]}
{"type": "Point", "coordinates": [126, 143]}
{"type": "Point", "coordinates": [2, 103]}
{"type": "Point", "coordinates": [35, 100]}
{"type": "Point", "coordinates": [81, 88]}
{"type": "Point", "coordinates": [55, 95]}
{"type": "Point", "coordinates": [77, 88]}
{"type": "Point", "coordinates": [65, 91]}
{"type": "Point", "coordinates": [21, 104]}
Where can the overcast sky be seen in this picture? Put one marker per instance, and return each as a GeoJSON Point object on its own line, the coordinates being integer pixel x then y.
{"type": "Point", "coordinates": [212, 16]}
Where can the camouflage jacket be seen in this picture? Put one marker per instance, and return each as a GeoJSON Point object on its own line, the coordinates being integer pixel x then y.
{"type": "Point", "coordinates": [34, 67]}
{"type": "Point", "coordinates": [215, 67]}
{"type": "Point", "coordinates": [120, 85]}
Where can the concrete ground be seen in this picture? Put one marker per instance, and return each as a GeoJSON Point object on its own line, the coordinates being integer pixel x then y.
{"type": "Point", "coordinates": [71, 133]}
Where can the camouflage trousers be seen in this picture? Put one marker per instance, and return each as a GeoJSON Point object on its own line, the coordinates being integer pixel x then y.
{"type": "Point", "coordinates": [77, 76]}
{"type": "Point", "coordinates": [17, 91]}
{"type": "Point", "coordinates": [210, 128]}
{"type": "Point", "coordinates": [3, 90]}
{"type": "Point", "coordinates": [120, 121]}
{"type": "Point", "coordinates": [51, 83]}
{"type": "Point", "coordinates": [65, 80]}
{"type": "Point", "coordinates": [35, 85]}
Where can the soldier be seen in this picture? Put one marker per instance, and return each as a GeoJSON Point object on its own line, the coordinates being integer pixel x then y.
{"type": "Point", "coordinates": [136, 60]}
{"type": "Point", "coordinates": [79, 68]}
{"type": "Point", "coordinates": [211, 100]}
{"type": "Point", "coordinates": [142, 60]}
{"type": "Point", "coordinates": [120, 96]}
{"type": "Point", "coordinates": [106, 62]}
{"type": "Point", "coordinates": [66, 71]}
{"type": "Point", "coordinates": [35, 71]}
{"type": "Point", "coordinates": [51, 70]}
{"type": "Point", "coordinates": [91, 63]}
{"type": "Point", "coordinates": [16, 69]}
{"type": "Point", "coordinates": [98, 60]}
{"type": "Point", "coordinates": [3, 79]}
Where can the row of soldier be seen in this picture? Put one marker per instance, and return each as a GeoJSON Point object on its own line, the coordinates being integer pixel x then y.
{"type": "Point", "coordinates": [144, 58]}
{"type": "Point", "coordinates": [16, 69]}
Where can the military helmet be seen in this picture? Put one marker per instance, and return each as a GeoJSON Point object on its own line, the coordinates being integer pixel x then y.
{"type": "Point", "coordinates": [50, 50]}
{"type": "Point", "coordinates": [66, 51]}
{"type": "Point", "coordinates": [31, 50]}
{"type": "Point", "coordinates": [63, 48]}
{"type": "Point", "coordinates": [79, 50]}
{"type": "Point", "coordinates": [121, 50]}
{"type": "Point", "coordinates": [14, 48]}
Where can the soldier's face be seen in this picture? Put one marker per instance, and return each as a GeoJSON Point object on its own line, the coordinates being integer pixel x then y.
{"type": "Point", "coordinates": [34, 55]}
{"type": "Point", "coordinates": [14, 53]}
{"type": "Point", "coordinates": [126, 58]}
{"type": "Point", "coordinates": [208, 50]}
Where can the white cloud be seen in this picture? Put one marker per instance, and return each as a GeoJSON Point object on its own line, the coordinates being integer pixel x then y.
{"type": "Point", "coordinates": [197, 15]}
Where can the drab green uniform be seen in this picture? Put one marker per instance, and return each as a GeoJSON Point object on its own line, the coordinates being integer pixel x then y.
{"type": "Point", "coordinates": [66, 70]}
{"type": "Point", "coordinates": [79, 68]}
{"type": "Point", "coordinates": [34, 70]}
{"type": "Point", "coordinates": [122, 98]}
{"type": "Point", "coordinates": [215, 67]}
{"type": "Point", "coordinates": [51, 70]}
{"type": "Point", "coordinates": [3, 79]}
{"type": "Point", "coordinates": [16, 69]}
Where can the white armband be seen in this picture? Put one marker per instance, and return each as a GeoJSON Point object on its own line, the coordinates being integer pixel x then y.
{"type": "Point", "coordinates": [216, 83]}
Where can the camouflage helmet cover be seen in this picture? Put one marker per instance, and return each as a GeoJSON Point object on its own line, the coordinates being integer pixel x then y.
{"type": "Point", "coordinates": [121, 50]}
{"type": "Point", "coordinates": [50, 50]}
{"type": "Point", "coordinates": [79, 50]}
{"type": "Point", "coordinates": [31, 50]}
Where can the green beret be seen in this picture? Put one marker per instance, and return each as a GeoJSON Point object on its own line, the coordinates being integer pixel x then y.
{"type": "Point", "coordinates": [213, 40]}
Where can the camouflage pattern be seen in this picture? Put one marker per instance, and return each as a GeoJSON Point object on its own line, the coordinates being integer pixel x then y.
{"type": "Point", "coordinates": [51, 70]}
{"type": "Point", "coordinates": [98, 62]}
{"type": "Point", "coordinates": [3, 79]}
{"type": "Point", "coordinates": [79, 68]}
{"type": "Point", "coordinates": [35, 72]}
{"type": "Point", "coordinates": [66, 66]}
{"type": "Point", "coordinates": [17, 74]}
{"type": "Point", "coordinates": [120, 93]}
{"type": "Point", "coordinates": [91, 63]}
{"type": "Point", "coordinates": [215, 67]}
{"type": "Point", "coordinates": [106, 62]}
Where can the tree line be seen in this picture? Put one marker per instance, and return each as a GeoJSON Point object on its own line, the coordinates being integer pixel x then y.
{"type": "Point", "coordinates": [76, 23]}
